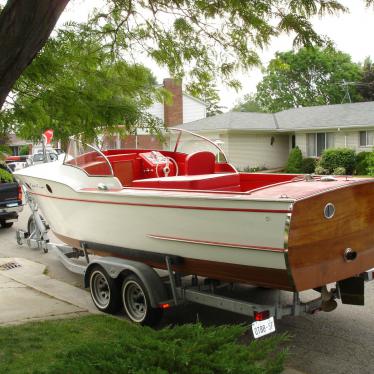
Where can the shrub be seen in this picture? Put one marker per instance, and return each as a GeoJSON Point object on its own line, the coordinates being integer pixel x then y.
{"type": "Point", "coordinates": [24, 151]}
{"type": "Point", "coordinates": [319, 170]}
{"type": "Point", "coordinates": [370, 161]}
{"type": "Point", "coordinates": [339, 171]}
{"type": "Point", "coordinates": [295, 160]}
{"type": "Point", "coordinates": [254, 169]}
{"type": "Point", "coordinates": [101, 344]}
{"type": "Point", "coordinates": [5, 176]}
{"type": "Point", "coordinates": [308, 165]}
{"type": "Point", "coordinates": [339, 157]}
{"type": "Point", "coordinates": [362, 160]}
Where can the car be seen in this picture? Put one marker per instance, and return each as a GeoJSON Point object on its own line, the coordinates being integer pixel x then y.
{"type": "Point", "coordinates": [38, 158]}
{"type": "Point", "coordinates": [10, 197]}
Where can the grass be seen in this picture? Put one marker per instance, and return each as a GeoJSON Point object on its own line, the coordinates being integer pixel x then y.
{"type": "Point", "coordinates": [103, 344]}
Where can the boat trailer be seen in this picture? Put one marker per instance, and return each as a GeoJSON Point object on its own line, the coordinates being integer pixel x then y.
{"type": "Point", "coordinates": [145, 292]}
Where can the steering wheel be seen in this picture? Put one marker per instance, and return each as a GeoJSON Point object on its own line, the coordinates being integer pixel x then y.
{"type": "Point", "coordinates": [166, 168]}
{"type": "Point", "coordinates": [175, 165]}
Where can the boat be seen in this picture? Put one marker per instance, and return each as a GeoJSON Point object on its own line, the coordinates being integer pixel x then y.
{"type": "Point", "coordinates": [284, 231]}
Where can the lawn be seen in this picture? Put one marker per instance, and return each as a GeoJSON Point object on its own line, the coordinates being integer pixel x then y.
{"type": "Point", "coordinates": [103, 344]}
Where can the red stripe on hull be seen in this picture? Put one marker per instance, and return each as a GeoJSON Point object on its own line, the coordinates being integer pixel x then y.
{"type": "Point", "coordinates": [166, 206]}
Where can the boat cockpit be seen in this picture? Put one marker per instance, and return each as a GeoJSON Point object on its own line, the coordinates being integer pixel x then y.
{"type": "Point", "coordinates": [187, 162]}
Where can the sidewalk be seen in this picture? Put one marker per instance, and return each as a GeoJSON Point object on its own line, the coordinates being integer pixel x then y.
{"type": "Point", "coordinates": [26, 294]}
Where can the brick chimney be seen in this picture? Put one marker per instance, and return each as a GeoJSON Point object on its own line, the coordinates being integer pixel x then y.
{"type": "Point", "coordinates": [173, 113]}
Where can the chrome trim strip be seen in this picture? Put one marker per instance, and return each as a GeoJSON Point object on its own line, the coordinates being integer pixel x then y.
{"type": "Point", "coordinates": [216, 244]}
{"type": "Point", "coordinates": [287, 228]}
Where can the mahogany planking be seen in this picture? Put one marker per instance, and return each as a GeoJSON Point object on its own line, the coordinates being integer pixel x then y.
{"type": "Point", "coordinates": [316, 245]}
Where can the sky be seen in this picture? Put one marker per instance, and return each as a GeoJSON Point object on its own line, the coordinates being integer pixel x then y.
{"type": "Point", "coordinates": [352, 33]}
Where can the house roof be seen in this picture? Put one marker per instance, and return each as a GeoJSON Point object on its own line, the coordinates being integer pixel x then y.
{"type": "Point", "coordinates": [15, 141]}
{"type": "Point", "coordinates": [307, 118]}
{"type": "Point", "coordinates": [233, 121]}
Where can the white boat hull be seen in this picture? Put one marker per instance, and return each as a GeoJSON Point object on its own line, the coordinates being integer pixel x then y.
{"type": "Point", "coordinates": [223, 228]}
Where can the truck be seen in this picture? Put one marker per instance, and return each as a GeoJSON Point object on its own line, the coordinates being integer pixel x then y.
{"type": "Point", "coordinates": [10, 197]}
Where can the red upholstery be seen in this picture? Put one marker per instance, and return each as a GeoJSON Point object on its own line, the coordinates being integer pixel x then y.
{"type": "Point", "coordinates": [229, 182]}
{"type": "Point", "coordinates": [96, 168]}
{"type": "Point", "coordinates": [124, 171]}
{"type": "Point", "coordinates": [200, 163]}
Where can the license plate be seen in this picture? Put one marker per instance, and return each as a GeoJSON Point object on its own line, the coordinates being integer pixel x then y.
{"type": "Point", "coordinates": [12, 205]}
{"type": "Point", "coordinates": [261, 328]}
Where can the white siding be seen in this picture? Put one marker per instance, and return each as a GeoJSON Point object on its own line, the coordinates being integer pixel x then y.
{"type": "Point", "coordinates": [255, 150]}
{"type": "Point", "coordinates": [157, 109]}
{"type": "Point", "coordinates": [340, 140]}
{"type": "Point", "coordinates": [301, 143]}
{"type": "Point", "coordinates": [192, 109]}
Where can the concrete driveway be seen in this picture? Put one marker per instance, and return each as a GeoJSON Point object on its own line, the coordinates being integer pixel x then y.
{"type": "Point", "coordinates": [337, 342]}
{"type": "Point", "coordinates": [21, 303]}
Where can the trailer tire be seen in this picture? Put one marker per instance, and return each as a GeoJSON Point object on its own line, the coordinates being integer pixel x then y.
{"type": "Point", "coordinates": [104, 290]}
{"type": "Point", "coordinates": [31, 224]}
{"type": "Point", "coordinates": [136, 302]}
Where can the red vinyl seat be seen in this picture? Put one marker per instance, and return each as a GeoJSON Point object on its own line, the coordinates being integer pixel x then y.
{"type": "Point", "coordinates": [200, 163]}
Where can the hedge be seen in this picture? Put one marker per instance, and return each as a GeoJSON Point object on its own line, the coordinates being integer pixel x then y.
{"type": "Point", "coordinates": [308, 165]}
{"type": "Point", "coordinates": [338, 157]}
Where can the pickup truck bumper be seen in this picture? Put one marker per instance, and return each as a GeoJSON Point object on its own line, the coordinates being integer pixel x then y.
{"type": "Point", "coordinates": [10, 213]}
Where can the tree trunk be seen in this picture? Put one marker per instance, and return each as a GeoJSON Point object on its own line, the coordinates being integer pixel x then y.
{"type": "Point", "coordinates": [25, 26]}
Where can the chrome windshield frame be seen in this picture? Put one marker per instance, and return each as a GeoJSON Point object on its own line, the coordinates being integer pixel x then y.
{"type": "Point", "coordinates": [198, 136]}
{"type": "Point", "coordinates": [73, 138]}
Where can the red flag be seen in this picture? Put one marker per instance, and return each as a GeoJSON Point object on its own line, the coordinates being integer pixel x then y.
{"type": "Point", "coordinates": [47, 136]}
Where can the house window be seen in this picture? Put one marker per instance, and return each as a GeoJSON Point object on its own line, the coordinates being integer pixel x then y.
{"type": "Point", "coordinates": [293, 141]}
{"type": "Point", "coordinates": [366, 138]}
{"type": "Point", "coordinates": [318, 142]}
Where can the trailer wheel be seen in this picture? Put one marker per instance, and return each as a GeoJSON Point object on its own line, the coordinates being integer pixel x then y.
{"type": "Point", "coordinates": [31, 224]}
{"type": "Point", "coordinates": [135, 299]}
{"type": "Point", "coordinates": [104, 291]}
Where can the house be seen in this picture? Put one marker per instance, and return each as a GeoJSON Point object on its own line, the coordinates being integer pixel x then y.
{"type": "Point", "coordinates": [265, 139]}
{"type": "Point", "coordinates": [184, 108]}
{"type": "Point", "coordinates": [16, 144]}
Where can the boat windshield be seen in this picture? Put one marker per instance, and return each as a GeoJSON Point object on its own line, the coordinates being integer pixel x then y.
{"type": "Point", "coordinates": [87, 158]}
{"type": "Point", "coordinates": [184, 141]}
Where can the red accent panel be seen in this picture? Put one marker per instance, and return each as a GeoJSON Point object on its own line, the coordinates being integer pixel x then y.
{"type": "Point", "coordinates": [97, 168]}
{"type": "Point", "coordinates": [162, 183]}
{"type": "Point", "coordinates": [200, 163]}
{"type": "Point", "coordinates": [217, 181]}
{"type": "Point", "coordinates": [253, 181]}
{"type": "Point", "coordinates": [167, 206]}
{"type": "Point", "coordinates": [223, 167]}
{"type": "Point", "coordinates": [124, 171]}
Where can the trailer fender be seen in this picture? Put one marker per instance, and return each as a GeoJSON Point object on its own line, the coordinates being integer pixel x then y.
{"type": "Point", "coordinates": [114, 266]}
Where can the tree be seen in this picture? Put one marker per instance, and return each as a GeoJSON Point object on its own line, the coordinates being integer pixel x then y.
{"type": "Point", "coordinates": [209, 37]}
{"type": "Point", "coordinates": [310, 76]}
{"type": "Point", "coordinates": [248, 104]}
{"type": "Point", "coordinates": [76, 86]}
{"type": "Point", "coordinates": [25, 26]}
{"type": "Point", "coordinates": [366, 86]}
{"type": "Point", "coordinates": [207, 92]}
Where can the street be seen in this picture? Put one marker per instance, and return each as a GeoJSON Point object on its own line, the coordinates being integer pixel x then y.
{"type": "Point", "coordinates": [336, 342]}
